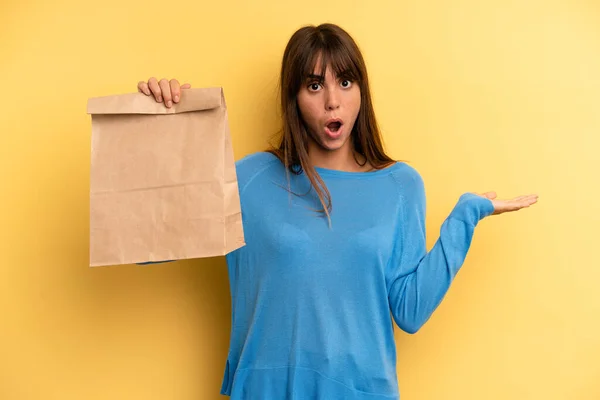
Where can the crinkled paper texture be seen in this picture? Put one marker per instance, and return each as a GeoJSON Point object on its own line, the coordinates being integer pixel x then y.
{"type": "Point", "coordinates": [163, 184]}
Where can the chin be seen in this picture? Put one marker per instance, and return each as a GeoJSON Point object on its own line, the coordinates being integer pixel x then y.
{"type": "Point", "coordinates": [322, 142]}
{"type": "Point", "coordinates": [334, 145]}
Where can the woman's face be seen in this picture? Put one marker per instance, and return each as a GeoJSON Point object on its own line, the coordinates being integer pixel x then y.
{"type": "Point", "coordinates": [329, 106]}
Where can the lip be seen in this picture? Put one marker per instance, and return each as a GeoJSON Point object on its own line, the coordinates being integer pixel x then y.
{"type": "Point", "coordinates": [338, 133]}
{"type": "Point", "coordinates": [329, 121]}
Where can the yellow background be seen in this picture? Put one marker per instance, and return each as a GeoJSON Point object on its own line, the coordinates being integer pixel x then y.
{"type": "Point", "coordinates": [476, 94]}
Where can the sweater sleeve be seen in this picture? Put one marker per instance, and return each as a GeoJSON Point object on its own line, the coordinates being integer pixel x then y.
{"type": "Point", "coordinates": [418, 280]}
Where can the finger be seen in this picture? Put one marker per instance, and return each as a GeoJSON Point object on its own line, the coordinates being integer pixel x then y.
{"type": "Point", "coordinates": [143, 88]}
{"type": "Point", "coordinates": [155, 89]}
{"type": "Point", "coordinates": [524, 202]}
{"type": "Point", "coordinates": [525, 196]}
{"type": "Point", "coordinates": [175, 90]}
{"type": "Point", "coordinates": [186, 86]}
{"type": "Point", "coordinates": [531, 199]}
{"type": "Point", "coordinates": [165, 88]}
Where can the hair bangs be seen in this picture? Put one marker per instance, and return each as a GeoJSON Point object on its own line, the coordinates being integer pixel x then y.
{"type": "Point", "coordinates": [332, 54]}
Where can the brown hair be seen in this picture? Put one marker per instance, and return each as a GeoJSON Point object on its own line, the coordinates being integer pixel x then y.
{"type": "Point", "coordinates": [338, 50]}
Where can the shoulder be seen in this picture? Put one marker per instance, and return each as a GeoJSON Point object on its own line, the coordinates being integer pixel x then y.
{"type": "Point", "coordinates": [254, 164]}
{"type": "Point", "coordinates": [410, 187]}
{"type": "Point", "coordinates": [257, 159]}
{"type": "Point", "coordinates": [408, 177]}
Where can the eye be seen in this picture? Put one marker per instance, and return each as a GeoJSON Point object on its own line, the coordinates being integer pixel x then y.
{"type": "Point", "coordinates": [346, 83]}
{"type": "Point", "coordinates": [314, 86]}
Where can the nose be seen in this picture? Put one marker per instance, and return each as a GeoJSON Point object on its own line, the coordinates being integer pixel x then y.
{"type": "Point", "coordinates": [332, 102]}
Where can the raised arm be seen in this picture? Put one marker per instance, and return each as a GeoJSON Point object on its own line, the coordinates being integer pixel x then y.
{"type": "Point", "coordinates": [418, 280]}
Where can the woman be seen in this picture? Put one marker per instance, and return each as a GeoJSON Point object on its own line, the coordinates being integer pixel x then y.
{"type": "Point", "coordinates": [335, 230]}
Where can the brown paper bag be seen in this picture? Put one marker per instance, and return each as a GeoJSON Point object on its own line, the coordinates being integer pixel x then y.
{"type": "Point", "coordinates": [163, 181]}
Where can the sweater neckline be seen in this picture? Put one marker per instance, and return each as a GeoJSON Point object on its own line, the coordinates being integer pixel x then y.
{"type": "Point", "coordinates": [357, 175]}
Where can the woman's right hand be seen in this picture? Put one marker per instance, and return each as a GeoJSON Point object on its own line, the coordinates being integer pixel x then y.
{"type": "Point", "coordinates": [164, 90]}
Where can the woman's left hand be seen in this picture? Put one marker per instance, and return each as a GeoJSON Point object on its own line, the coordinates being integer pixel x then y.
{"type": "Point", "coordinates": [502, 206]}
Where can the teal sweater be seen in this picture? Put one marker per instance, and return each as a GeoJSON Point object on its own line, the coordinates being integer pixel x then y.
{"type": "Point", "coordinates": [313, 306]}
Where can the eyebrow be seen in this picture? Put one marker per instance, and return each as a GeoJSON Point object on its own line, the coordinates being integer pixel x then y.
{"type": "Point", "coordinates": [314, 77]}
{"type": "Point", "coordinates": [347, 74]}
{"type": "Point", "coordinates": [320, 78]}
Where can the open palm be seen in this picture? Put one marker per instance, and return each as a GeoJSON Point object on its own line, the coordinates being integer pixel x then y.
{"type": "Point", "coordinates": [502, 206]}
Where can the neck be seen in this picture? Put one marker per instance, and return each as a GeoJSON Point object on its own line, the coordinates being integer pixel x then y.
{"type": "Point", "coordinates": [342, 159]}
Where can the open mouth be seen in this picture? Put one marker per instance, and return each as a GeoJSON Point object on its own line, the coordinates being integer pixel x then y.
{"type": "Point", "coordinates": [334, 126]}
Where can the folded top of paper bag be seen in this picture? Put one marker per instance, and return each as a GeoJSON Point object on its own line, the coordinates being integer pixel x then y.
{"type": "Point", "coordinates": [139, 103]}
